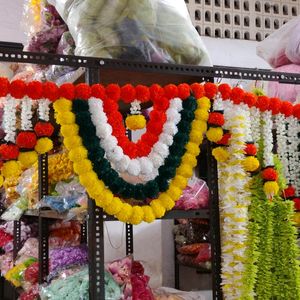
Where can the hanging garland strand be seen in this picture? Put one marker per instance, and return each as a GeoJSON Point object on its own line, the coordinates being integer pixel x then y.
{"type": "Point", "coordinates": [110, 177]}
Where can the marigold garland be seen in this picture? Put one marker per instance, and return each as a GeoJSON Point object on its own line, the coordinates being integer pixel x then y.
{"type": "Point", "coordinates": [124, 211]}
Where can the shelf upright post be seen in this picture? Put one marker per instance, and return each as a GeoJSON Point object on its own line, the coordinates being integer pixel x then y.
{"type": "Point", "coordinates": [43, 222]}
{"type": "Point", "coordinates": [95, 228]}
{"type": "Point", "coordinates": [129, 227]}
{"type": "Point", "coordinates": [215, 238]}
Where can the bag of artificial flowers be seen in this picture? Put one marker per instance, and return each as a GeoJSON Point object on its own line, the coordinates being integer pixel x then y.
{"type": "Point", "coordinates": [142, 30]}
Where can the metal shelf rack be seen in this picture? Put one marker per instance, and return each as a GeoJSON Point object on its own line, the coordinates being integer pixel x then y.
{"type": "Point", "coordinates": [110, 70]}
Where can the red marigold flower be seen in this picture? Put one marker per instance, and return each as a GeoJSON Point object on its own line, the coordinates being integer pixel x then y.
{"type": "Point", "coordinates": [225, 90]}
{"type": "Point", "coordinates": [286, 108]}
{"type": "Point", "coordinates": [17, 89]}
{"type": "Point", "coordinates": [210, 90]}
{"type": "Point", "coordinates": [237, 95]}
{"type": "Point", "coordinates": [26, 140]}
{"type": "Point", "coordinates": [249, 99]}
{"type": "Point", "coordinates": [198, 90]}
{"type": "Point", "coordinates": [297, 203]}
{"type": "Point", "coordinates": [156, 91]}
{"type": "Point", "coordinates": [263, 103]}
{"type": "Point", "coordinates": [67, 90]}
{"type": "Point", "coordinates": [269, 174]}
{"type": "Point", "coordinates": [296, 111]}
{"type": "Point", "coordinates": [216, 118]}
{"type": "Point", "coordinates": [43, 129]}
{"type": "Point", "coordinates": [289, 192]}
{"type": "Point", "coordinates": [225, 139]}
{"type": "Point", "coordinates": [113, 91]}
{"type": "Point", "coordinates": [9, 151]}
{"type": "Point", "coordinates": [50, 91]}
{"type": "Point", "coordinates": [275, 105]}
{"type": "Point", "coordinates": [184, 91]}
{"type": "Point", "coordinates": [251, 149]}
{"type": "Point", "coordinates": [171, 91]}
{"type": "Point", "coordinates": [142, 93]}
{"type": "Point", "coordinates": [4, 86]}
{"type": "Point", "coordinates": [34, 90]}
{"type": "Point", "coordinates": [128, 93]}
{"type": "Point", "coordinates": [82, 91]}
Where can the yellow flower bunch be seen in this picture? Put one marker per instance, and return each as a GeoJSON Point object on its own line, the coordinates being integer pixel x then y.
{"type": "Point", "coordinates": [104, 198]}
{"type": "Point", "coordinates": [135, 122]}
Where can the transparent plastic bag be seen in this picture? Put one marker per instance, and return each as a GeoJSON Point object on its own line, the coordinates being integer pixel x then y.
{"type": "Point", "coordinates": [273, 48]}
{"type": "Point", "coordinates": [142, 30]}
{"type": "Point", "coordinates": [76, 286]}
{"type": "Point", "coordinates": [285, 91]}
{"type": "Point", "coordinates": [15, 210]}
{"type": "Point", "coordinates": [166, 293]}
{"type": "Point", "coordinates": [195, 195]}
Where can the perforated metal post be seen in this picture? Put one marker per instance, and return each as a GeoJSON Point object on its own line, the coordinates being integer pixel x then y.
{"type": "Point", "coordinates": [129, 239]}
{"type": "Point", "coordinates": [43, 222]}
{"type": "Point", "coordinates": [96, 251]}
{"type": "Point", "coordinates": [214, 223]}
{"type": "Point", "coordinates": [17, 238]}
{"type": "Point", "coordinates": [83, 238]}
{"type": "Point", "coordinates": [95, 228]}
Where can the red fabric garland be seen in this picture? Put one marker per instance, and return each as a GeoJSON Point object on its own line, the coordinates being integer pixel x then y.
{"type": "Point", "coordinates": [113, 92]}
{"type": "Point", "coordinates": [171, 91]}
{"type": "Point", "coordinates": [128, 93]}
{"type": "Point", "coordinates": [263, 103]}
{"type": "Point", "coordinates": [183, 91]}
{"type": "Point", "coordinates": [249, 99]}
{"type": "Point", "coordinates": [210, 90]}
{"type": "Point", "coordinates": [296, 111]}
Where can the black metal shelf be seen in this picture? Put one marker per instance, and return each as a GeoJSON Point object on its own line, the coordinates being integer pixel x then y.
{"type": "Point", "coordinates": [101, 64]}
{"type": "Point", "coordinates": [172, 214]}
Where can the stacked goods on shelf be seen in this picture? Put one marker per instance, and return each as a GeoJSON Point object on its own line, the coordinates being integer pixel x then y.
{"type": "Point", "coordinates": [140, 181]}
{"type": "Point", "coordinates": [192, 243]}
{"type": "Point", "coordinates": [68, 270]}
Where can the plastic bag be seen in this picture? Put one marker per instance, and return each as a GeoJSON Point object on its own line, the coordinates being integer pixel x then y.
{"type": "Point", "coordinates": [76, 286]}
{"type": "Point", "coordinates": [273, 49]}
{"type": "Point", "coordinates": [285, 91]}
{"type": "Point", "coordinates": [147, 30]}
{"type": "Point", "coordinates": [16, 210]}
{"type": "Point", "coordinates": [68, 256]}
{"type": "Point", "coordinates": [191, 232]}
{"type": "Point", "coordinates": [166, 293]}
{"type": "Point", "coordinates": [195, 195]}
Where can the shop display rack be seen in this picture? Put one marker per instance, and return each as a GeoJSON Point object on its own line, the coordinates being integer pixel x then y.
{"type": "Point", "coordinates": [107, 71]}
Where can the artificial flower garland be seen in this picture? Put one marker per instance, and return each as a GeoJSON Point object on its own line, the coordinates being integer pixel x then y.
{"type": "Point", "coordinates": [114, 205]}
{"type": "Point", "coordinates": [144, 167]}
{"type": "Point", "coordinates": [234, 202]}
{"type": "Point", "coordinates": [111, 178]}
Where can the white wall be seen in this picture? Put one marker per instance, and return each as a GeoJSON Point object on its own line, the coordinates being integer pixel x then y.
{"type": "Point", "coordinates": [153, 243]}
